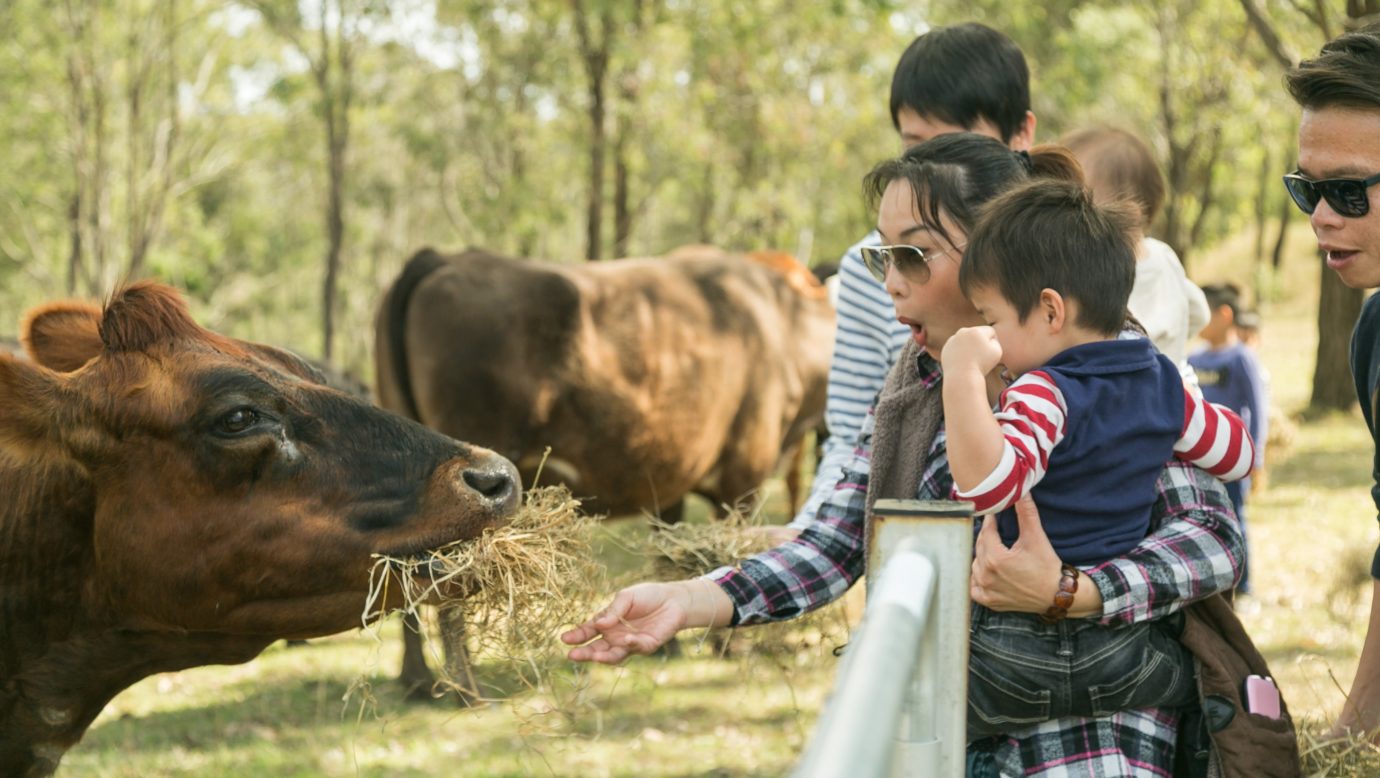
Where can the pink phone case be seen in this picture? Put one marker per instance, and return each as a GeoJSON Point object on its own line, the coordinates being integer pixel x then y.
{"type": "Point", "coordinates": [1262, 697]}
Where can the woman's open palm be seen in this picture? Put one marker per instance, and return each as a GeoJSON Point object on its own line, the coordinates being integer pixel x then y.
{"type": "Point", "coordinates": [640, 620]}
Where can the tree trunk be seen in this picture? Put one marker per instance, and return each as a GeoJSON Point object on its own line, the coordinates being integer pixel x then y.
{"type": "Point", "coordinates": [74, 257]}
{"type": "Point", "coordinates": [594, 218]}
{"type": "Point", "coordinates": [1206, 195]}
{"type": "Point", "coordinates": [145, 220]}
{"type": "Point", "coordinates": [622, 212]}
{"type": "Point", "coordinates": [135, 49]}
{"type": "Point", "coordinates": [1267, 34]}
{"type": "Point", "coordinates": [335, 236]}
{"type": "Point", "coordinates": [629, 89]}
{"type": "Point", "coordinates": [1286, 209]}
{"type": "Point", "coordinates": [336, 93]}
{"type": "Point", "coordinates": [1338, 308]}
{"type": "Point", "coordinates": [1176, 165]}
{"type": "Point", "coordinates": [1262, 204]}
{"type": "Point", "coordinates": [705, 213]}
{"type": "Point", "coordinates": [595, 56]}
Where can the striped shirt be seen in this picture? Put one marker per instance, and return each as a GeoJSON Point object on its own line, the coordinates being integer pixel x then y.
{"type": "Point", "coordinates": [1034, 420]}
{"type": "Point", "coordinates": [866, 343]}
{"type": "Point", "coordinates": [1194, 550]}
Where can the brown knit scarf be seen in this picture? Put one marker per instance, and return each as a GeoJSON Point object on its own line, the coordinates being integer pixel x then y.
{"type": "Point", "coordinates": [907, 418]}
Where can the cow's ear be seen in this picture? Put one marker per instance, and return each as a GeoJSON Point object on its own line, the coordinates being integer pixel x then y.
{"type": "Point", "coordinates": [63, 336]}
{"type": "Point", "coordinates": [29, 396]}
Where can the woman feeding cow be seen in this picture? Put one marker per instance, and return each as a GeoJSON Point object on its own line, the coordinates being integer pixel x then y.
{"type": "Point", "coordinates": [929, 200]}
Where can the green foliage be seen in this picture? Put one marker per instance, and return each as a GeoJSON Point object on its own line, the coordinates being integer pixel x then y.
{"type": "Point", "coordinates": [746, 125]}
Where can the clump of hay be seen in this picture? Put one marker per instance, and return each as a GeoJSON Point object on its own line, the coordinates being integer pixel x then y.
{"type": "Point", "coordinates": [518, 586]}
{"type": "Point", "coordinates": [1348, 757]}
{"type": "Point", "coordinates": [679, 551]}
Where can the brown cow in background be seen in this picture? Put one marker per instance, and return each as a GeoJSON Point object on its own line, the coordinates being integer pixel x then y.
{"type": "Point", "coordinates": [174, 498]}
{"type": "Point", "coordinates": [648, 378]}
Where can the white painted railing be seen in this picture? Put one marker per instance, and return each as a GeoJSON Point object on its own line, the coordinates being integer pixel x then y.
{"type": "Point", "coordinates": [900, 698]}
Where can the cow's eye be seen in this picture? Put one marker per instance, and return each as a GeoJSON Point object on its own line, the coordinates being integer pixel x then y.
{"type": "Point", "coordinates": [237, 421]}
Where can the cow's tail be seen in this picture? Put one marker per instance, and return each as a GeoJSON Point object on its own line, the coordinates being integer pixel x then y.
{"type": "Point", "coordinates": [422, 265]}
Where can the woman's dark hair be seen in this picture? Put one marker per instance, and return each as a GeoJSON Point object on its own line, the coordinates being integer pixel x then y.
{"type": "Point", "coordinates": [1119, 164]}
{"type": "Point", "coordinates": [1051, 235]}
{"type": "Point", "coordinates": [961, 74]}
{"type": "Point", "coordinates": [958, 173]}
{"type": "Point", "coordinates": [1345, 73]}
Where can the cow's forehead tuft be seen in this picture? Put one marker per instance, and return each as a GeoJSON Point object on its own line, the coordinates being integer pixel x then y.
{"type": "Point", "coordinates": [143, 315]}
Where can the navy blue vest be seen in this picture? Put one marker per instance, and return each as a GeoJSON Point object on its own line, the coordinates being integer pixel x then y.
{"type": "Point", "coordinates": [1125, 411]}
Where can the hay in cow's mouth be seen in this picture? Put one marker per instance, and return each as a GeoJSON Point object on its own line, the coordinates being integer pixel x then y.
{"type": "Point", "coordinates": [518, 584]}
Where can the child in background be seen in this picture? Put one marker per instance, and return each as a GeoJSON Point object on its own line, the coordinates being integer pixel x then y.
{"type": "Point", "coordinates": [1248, 330]}
{"type": "Point", "coordinates": [1229, 375]}
{"type": "Point", "coordinates": [1120, 166]}
{"type": "Point", "coordinates": [1085, 429]}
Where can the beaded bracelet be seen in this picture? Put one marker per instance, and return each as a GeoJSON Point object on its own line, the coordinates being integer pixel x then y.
{"type": "Point", "coordinates": [1063, 599]}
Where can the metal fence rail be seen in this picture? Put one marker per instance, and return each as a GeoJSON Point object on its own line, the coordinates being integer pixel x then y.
{"type": "Point", "coordinates": [900, 697]}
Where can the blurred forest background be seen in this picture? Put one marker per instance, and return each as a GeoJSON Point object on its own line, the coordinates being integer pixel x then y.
{"type": "Point", "coordinates": [279, 160]}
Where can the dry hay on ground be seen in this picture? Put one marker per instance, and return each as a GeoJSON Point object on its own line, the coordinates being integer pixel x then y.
{"type": "Point", "coordinates": [1349, 757]}
{"type": "Point", "coordinates": [519, 585]}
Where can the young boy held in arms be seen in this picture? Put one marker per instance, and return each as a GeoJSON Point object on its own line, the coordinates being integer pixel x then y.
{"type": "Point", "coordinates": [1085, 428]}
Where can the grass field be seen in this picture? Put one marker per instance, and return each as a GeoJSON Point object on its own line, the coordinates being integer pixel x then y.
{"type": "Point", "coordinates": [1311, 531]}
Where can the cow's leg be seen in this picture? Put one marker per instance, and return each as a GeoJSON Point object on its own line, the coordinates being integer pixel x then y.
{"type": "Point", "coordinates": [673, 513]}
{"type": "Point", "coordinates": [416, 677]}
{"type": "Point", "coordinates": [459, 667]}
{"type": "Point", "coordinates": [795, 461]}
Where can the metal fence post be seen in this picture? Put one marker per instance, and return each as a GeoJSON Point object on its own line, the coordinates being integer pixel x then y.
{"type": "Point", "coordinates": [900, 697]}
{"type": "Point", "coordinates": [932, 736]}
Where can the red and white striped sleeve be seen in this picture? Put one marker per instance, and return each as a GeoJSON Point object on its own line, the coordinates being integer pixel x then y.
{"type": "Point", "coordinates": [1033, 419]}
{"type": "Point", "coordinates": [1214, 439]}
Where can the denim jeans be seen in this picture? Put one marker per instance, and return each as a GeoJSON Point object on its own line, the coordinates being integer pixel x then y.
{"type": "Point", "coordinates": [1022, 671]}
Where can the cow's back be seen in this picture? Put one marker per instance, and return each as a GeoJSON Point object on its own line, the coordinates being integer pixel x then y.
{"type": "Point", "coordinates": [646, 377]}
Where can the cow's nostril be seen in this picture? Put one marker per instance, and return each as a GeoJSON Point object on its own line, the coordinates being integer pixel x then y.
{"type": "Point", "coordinates": [493, 485]}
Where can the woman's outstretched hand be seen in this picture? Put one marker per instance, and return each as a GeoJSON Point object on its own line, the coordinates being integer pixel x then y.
{"type": "Point", "coordinates": [1024, 577]}
{"type": "Point", "coordinates": [644, 617]}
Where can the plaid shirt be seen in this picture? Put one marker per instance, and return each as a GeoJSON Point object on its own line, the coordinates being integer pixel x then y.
{"type": "Point", "coordinates": [1194, 550]}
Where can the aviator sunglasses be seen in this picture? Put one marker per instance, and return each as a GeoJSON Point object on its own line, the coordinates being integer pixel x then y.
{"type": "Point", "coordinates": [1347, 196]}
{"type": "Point", "coordinates": [910, 261]}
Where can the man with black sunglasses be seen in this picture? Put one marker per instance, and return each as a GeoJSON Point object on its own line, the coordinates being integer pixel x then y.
{"type": "Point", "coordinates": [1336, 185]}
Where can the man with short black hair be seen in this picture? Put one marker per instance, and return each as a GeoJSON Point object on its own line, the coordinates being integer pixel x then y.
{"type": "Point", "coordinates": [1336, 184]}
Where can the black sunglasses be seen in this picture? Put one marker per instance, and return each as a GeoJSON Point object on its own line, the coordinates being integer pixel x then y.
{"type": "Point", "coordinates": [1347, 196]}
{"type": "Point", "coordinates": [910, 261]}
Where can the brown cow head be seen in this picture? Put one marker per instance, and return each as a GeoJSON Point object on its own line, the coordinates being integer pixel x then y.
{"type": "Point", "coordinates": [226, 490]}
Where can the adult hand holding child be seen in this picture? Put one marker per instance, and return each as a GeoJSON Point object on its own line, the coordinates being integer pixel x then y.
{"type": "Point", "coordinates": [1024, 577]}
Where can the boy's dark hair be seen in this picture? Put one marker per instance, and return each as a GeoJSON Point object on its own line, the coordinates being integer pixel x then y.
{"type": "Point", "coordinates": [1051, 235]}
{"type": "Point", "coordinates": [1120, 164]}
{"type": "Point", "coordinates": [1219, 295]}
{"type": "Point", "coordinates": [959, 172]}
{"type": "Point", "coordinates": [1345, 73]}
{"type": "Point", "coordinates": [961, 74]}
